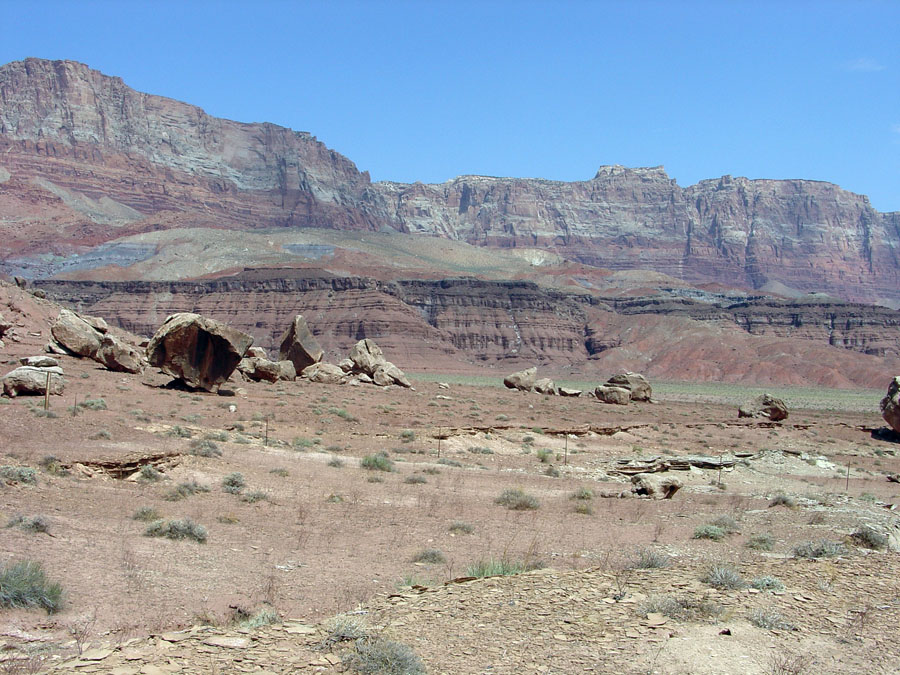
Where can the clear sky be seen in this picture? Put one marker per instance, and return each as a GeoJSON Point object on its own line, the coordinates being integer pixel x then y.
{"type": "Point", "coordinates": [429, 90]}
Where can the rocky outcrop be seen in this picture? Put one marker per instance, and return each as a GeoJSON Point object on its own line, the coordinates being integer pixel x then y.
{"type": "Point", "coordinates": [614, 395]}
{"type": "Point", "coordinates": [765, 406]}
{"type": "Point", "coordinates": [299, 346]}
{"type": "Point", "coordinates": [367, 358]}
{"type": "Point", "coordinates": [545, 385]}
{"type": "Point", "coordinates": [635, 383]}
{"type": "Point", "coordinates": [199, 351]}
{"type": "Point", "coordinates": [88, 160]}
{"type": "Point", "coordinates": [890, 405]}
{"type": "Point", "coordinates": [29, 380]}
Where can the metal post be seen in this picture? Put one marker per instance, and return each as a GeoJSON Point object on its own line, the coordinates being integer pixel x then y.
{"type": "Point", "coordinates": [267, 432]}
{"type": "Point", "coordinates": [719, 480]}
{"type": "Point", "coordinates": [847, 489]}
{"type": "Point", "coordinates": [47, 394]}
{"type": "Point", "coordinates": [440, 433]}
{"type": "Point", "coordinates": [566, 456]}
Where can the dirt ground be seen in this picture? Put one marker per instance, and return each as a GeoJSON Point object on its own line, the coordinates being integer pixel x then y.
{"type": "Point", "coordinates": [314, 534]}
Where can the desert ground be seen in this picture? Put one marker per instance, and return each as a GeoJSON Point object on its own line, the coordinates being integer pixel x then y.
{"type": "Point", "coordinates": [323, 527]}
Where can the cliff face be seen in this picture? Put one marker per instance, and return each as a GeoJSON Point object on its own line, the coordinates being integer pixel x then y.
{"type": "Point", "coordinates": [84, 159]}
{"type": "Point", "coordinates": [465, 324]}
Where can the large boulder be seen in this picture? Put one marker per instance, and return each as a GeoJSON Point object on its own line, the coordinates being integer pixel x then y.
{"type": "Point", "coordinates": [259, 369]}
{"type": "Point", "coordinates": [75, 334]}
{"type": "Point", "coordinates": [387, 374]}
{"type": "Point", "coordinates": [367, 357]}
{"type": "Point", "coordinates": [890, 405]}
{"type": "Point", "coordinates": [29, 380]}
{"type": "Point", "coordinates": [324, 373]}
{"type": "Point", "coordinates": [635, 383]}
{"type": "Point", "coordinates": [615, 395]}
{"type": "Point", "coordinates": [765, 406]}
{"type": "Point", "coordinates": [523, 380]}
{"type": "Point", "coordinates": [299, 346]}
{"type": "Point", "coordinates": [655, 487]}
{"type": "Point", "coordinates": [287, 371]}
{"type": "Point", "coordinates": [545, 386]}
{"type": "Point", "coordinates": [119, 356]}
{"type": "Point", "coordinates": [199, 351]}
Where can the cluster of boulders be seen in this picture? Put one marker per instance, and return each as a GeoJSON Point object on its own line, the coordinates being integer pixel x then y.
{"type": "Point", "coordinates": [33, 377]}
{"type": "Point", "coordinates": [619, 389]}
{"type": "Point", "coordinates": [89, 336]}
{"type": "Point", "coordinates": [766, 407]}
{"type": "Point", "coordinates": [366, 364]}
{"type": "Point", "coordinates": [5, 327]}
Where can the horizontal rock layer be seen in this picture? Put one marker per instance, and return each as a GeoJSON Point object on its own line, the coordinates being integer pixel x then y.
{"type": "Point", "coordinates": [85, 159]}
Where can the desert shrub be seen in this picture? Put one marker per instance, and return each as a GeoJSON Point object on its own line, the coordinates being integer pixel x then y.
{"type": "Point", "coordinates": [40, 412]}
{"type": "Point", "coordinates": [53, 466]}
{"type": "Point", "coordinates": [255, 496]}
{"type": "Point", "coordinates": [709, 532]}
{"type": "Point", "coordinates": [146, 513]}
{"type": "Point", "coordinates": [184, 490]}
{"type": "Point", "coordinates": [336, 462]}
{"type": "Point", "coordinates": [374, 479]}
{"type": "Point", "coordinates": [150, 474]}
{"type": "Point", "coordinates": [544, 455]}
{"type": "Point", "coordinates": [204, 448]}
{"type": "Point", "coordinates": [24, 584]}
{"type": "Point", "coordinates": [334, 499]}
{"type": "Point", "coordinates": [761, 542]}
{"type": "Point", "coordinates": [416, 479]}
{"type": "Point", "coordinates": [480, 450]}
{"type": "Point", "coordinates": [517, 500]}
{"type": "Point", "coordinates": [680, 607]}
{"type": "Point", "coordinates": [817, 518]}
{"type": "Point", "coordinates": [35, 524]}
{"type": "Point", "coordinates": [407, 435]}
{"type": "Point", "coordinates": [726, 523]}
{"type": "Point", "coordinates": [819, 549]}
{"type": "Point", "coordinates": [18, 474]}
{"type": "Point", "coordinates": [492, 567]}
{"type": "Point", "coordinates": [300, 443]}
{"type": "Point", "coordinates": [785, 663]}
{"type": "Point", "coordinates": [377, 462]}
{"type": "Point", "coordinates": [768, 618]}
{"type": "Point", "coordinates": [179, 432]}
{"type": "Point", "coordinates": [177, 529]}
{"type": "Point", "coordinates": [584, 508]}
{"type": "Point", "coordinates": [723, 577]}
{"type": "Point", "coordinates": [783, 500]}
{"type": "Point", "coordinates": [380, 656]}
{"type": "Point", "coordinates": [219, 435]}
{"type": "Point", "coordinates": [228, 519]}
{"type": "Point", "coordinates": [461, 527]}
{"type": "Point", "coordinates": [240, 439]}
{"type": "Point", "coordinates": [343, 414]}
{"type": "Point", "coordinates": [92, 404]}
{"type": "Point", "coordinates": [866, 537]}
{"type": "Point", "coordinates": [551, 471]}
{"type": "Point", "coordinates": [267, 616]}
{"type": "Point", "coordinates": [344, 628]}
{"type": "Point", "coordinates": [431, 471]}
{"type": "Point", "coordinates": [649, 559]}
{"type": "Point", "coordinates": [446, 461]}
{"type": "Point", "coordinates": [102, 435]}
{"type": "Point", "coordinates": [767, 583]}
{"type": "Point", "coordinates": [432, 556]}
{"type": "Point", "coordinates": [582, 493]}
{"type": "Point", "coordinates": [234, 482]}
{"type": "Point", "coordinates": [278, 471]}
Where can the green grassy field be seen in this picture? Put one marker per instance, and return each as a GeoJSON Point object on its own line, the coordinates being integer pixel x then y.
{"type": "Point", "coordinates": [806, 398]}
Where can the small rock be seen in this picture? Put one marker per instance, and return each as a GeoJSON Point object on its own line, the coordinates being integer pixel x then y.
{"type": "Point", "coordinates": [39, 361]}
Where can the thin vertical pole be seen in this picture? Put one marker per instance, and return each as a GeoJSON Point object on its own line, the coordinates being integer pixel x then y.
{"type": "Point", "coordinates": [440, 433]}
{"type": "Point", "coordinates": [719, 480]}
{"type": "Point", "coordinates": [47, 394]}
{"type": "Point", "coordinates": [267, 432]}
{"type": "Point", "coordinates": [847, 489]}
{"type": "Point", "coordinates": [566, 456]}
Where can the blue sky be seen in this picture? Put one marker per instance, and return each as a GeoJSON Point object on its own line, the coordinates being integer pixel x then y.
{"type": "Point", "coordinates": [430, 90]}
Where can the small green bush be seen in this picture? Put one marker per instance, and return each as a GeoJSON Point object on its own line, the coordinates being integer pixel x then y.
{"type": "Point", "coordinates": [377, 462]}
{"type": "Point", "coordinates": [278, 471]}
{"type": "Point", "coordinates": [582, 493]}
{"type": "Point", "coordinates": [204, 448]}
{"type": "Point", "coordinates": [336, 462]}
{"type": "Point", "coordinates": [301, 443]}
{"type": "Point", "coordinates": [783, 500]}
{"type": "Point", "coordinates": [767, 583]}
{"type": "Point", "coordinates": [709, 532]}
{"type": "Point", "coordinates": [53, 466]}
{"type": "Point", "coordinates": [649, 559]}
{"type": "Point", "coordinates": [407, 435]}
{"type": "Point", "coordinates": [446, 461]}
{"type": "Point", "coordinates": [726, 523]}
{"type": "Point", "coordinates": [517, 500]}
{"type": "Point", "coordinates": [234, 482]}
{"type": "Point", "coordinates": [177, 529]}
{"type": "Point", "coordinates": [102, 435]}
{"type": "Point", "coordinates": [768, 618]}
{"type": "Point", "coordinates": [150, 474]}
{"type": "Point", "coordinates": [583, 508]}
{"type": "Point", "coordinates": [480, 450]}
{"type": "Point", "coordinates": [23, 584]}
{"type": "Point", "coordinates": [380, 656]}
{"type": "Point", "coordinates": [544, 455]}
{"type": "Point", "coordinates": [179, 432]}
{"type": "Point", "coordinates": [432, 556]}
{"type": "Point", "coordinates": [460, 527]}
{"type": "Point", "coordinates": [35, 524]}
{"type": "Point", "coordinates": [344, 628]}
{"type": "Point", "coordinates": [184, 490]}
{"type": "Point", "coordinates": [866, 537]}
{"type": "Point", "coordinates": [255, 496]}
{"type": "Point", "coordinates": [819, 549]}
{"type": "Point", "coordinates": [18, 474]}
{"type": "Point", "coordinates": [761, 542]}
{"type": "Point", "coordinates": [146, 513]}
{"type": "Point", "coordinates": [492, 567]}
{"type": "Point", "coordinates": [220, 436]}
{"type": "Point", "coordinates": [680, 607]}
{"type": "Point", "coordinates": [415, 479]}
{"type": "Point", "coordinates": [723, 577]}
{"type": "Point", "coordinates": [92, 404]}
